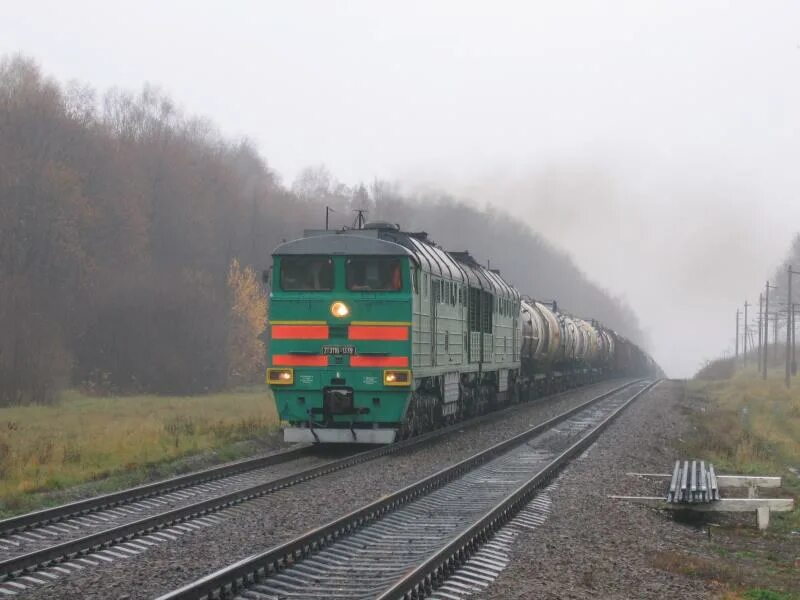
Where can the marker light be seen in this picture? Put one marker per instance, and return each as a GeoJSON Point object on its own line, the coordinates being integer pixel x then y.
{"type": "Point", "coordinates": [339, 309]}
{"type": "Point", "coordinates": [280, 376]}
{"type": "Point", "coordinates": [397, 377]}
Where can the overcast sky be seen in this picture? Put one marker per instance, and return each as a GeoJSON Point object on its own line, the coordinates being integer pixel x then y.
{"type": "Point", "coordinates": [656, 142]}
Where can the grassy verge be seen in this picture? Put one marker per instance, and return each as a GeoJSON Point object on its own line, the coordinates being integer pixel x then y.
{"type": "Point", "coordinates": [119, 440]}
{"type": "Point", "coordinates": [751, 426]}
{"type": "Point", "coordinates": [746, 425]}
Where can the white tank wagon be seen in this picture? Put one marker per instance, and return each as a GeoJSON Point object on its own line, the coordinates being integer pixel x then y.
{"type": "Point", "coordinates": [574, 342]}
{"type": "Point", "coordinates": [540, 332]}
{"type": "Point", "coordinates": [559, 350]}
{"type": "Point", "coordinates": [590, 334]}
{"type": "Point", "coordinates": [606, 344]}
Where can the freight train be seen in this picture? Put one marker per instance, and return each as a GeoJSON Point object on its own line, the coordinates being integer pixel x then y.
{"type": "Point", "coordinates": [377, 334]}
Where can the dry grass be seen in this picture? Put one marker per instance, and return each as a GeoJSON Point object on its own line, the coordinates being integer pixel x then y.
{"type": "Point", "coordinates": [85, 438]}
{"type": "Point", "coordinates": [740, 575]}
{"type": "Point", "coordinates": [757, 594]}
{"type": "Point", "coordinates": [710, 570]}
{"type": "Point", "coordinates": [749, 420]}
{"type": "Point", "coordinates": [722, 368]}
{"type": "Point", "coordinates": [746, 425]}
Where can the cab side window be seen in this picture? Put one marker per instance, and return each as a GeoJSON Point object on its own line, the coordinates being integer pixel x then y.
{"type": "Point", "coordinates": [374, 273]}
{"type": "Point", "coordinates": [306, 273]}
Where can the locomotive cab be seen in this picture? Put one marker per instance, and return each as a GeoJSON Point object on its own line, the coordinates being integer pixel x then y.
{"type": "Point", "coordinates": [340, 337]}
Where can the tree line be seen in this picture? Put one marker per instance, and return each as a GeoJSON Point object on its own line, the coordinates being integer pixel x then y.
{"type": "Point", "coordinates": [132, 235]}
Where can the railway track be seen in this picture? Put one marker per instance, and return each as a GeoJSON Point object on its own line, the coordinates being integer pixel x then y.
{"type": "Point", "coordinates": [406, 544]}
{"type": "Point", "coordinates": [48, 516]}
{"type": "Point", "coordinates": [89, 532]}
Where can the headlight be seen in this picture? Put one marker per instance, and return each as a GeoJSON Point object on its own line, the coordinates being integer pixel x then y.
{"type": "Point", "coordinates": [280, 376]}
{"type": "Point", "coordinates": [339, 310]}
{"type": "Point", "coordinates": [397, 377]}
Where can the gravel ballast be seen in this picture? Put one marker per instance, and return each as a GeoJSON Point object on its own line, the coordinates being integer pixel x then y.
{"type": "Point", "coordinates": [592, 546]}
{"type": "Point", "coordinates": [258, 525]}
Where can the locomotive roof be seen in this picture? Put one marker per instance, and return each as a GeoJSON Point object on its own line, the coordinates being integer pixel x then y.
{"type": "Point", "coordinates": [341, 244]}
{"type": "Point", "coordinates": [457, 266]}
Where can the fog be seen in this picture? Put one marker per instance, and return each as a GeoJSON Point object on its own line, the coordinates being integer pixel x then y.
{"type": "Point", "coordinates": [656, 143]}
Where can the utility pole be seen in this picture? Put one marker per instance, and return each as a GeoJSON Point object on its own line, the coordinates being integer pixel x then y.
{"type": "Point", "coordinates": [766, 326]}
{"type": "Point", "coordinates": [790, 366]}
{"type": "Point", "coordinates": [766, 330]}
{"type": "Point", "coordinates": [760, 327]}
{"type": "Point", "coordinates": [360, 219]}
{"type": "Point", "coordinates": [737, 336]}
{"type": "Point", "coordinates": [328, 210]}
{"type": "Point", "coordinates": [794, 345]}
{"type": "Point", "coordinates": [775, 335]}
{"type": "Point", "coordinates": [744, 341]}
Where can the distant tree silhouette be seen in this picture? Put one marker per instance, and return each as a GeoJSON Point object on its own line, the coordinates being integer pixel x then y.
{"type": "Point", "coordinates": [130, 235]}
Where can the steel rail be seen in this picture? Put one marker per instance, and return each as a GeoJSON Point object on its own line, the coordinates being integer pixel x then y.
{"type": "Point", "coordinates": [433, 572]}
{"type": "Point", "coordinates": [258, 566]}
{"type": "Point", "coordinates": [86, 506]}
{"type": "Point", "coordinates": [25, 563]}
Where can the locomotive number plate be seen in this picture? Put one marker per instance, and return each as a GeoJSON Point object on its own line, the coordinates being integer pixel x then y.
{"type": "Point", "coordinates": [338, 349]}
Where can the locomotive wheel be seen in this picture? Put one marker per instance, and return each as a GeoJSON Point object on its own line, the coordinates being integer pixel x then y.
{"type": "Point", "coordinates": [424, 414]}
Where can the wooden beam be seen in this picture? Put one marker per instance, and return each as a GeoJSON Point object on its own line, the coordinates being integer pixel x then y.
{"type": "Point", "coordinates": [657, 501]}
{"type": "Point", "coordinates": [723, 505]}
{"type": "Point", "coordinates": [762, 517]}
{"type": "Point", "coordinates": [728, 481]}
{"type": "Point", "coordinates": [748, 481]}
{"type": "Point", "coordinates": [743, 505]}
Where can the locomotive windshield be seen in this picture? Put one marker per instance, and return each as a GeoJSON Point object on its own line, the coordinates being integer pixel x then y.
{"type": "Point", "coordinates": [374, 273]}
{"type": "Point", "coordinates": [306, 273]}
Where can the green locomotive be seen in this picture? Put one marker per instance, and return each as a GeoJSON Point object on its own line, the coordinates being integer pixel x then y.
{"type": "Point", "coordinates": [378, 334]}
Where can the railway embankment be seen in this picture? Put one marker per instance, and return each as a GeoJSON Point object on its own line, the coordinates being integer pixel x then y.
{"type": "Point", "coordinates": [591, 546]}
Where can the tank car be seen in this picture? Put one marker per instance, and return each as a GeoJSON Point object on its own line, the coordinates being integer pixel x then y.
{"type": "Point", "coordinates": [559, 350]}
{"type": "Point", "coordinates": [543, 342]}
